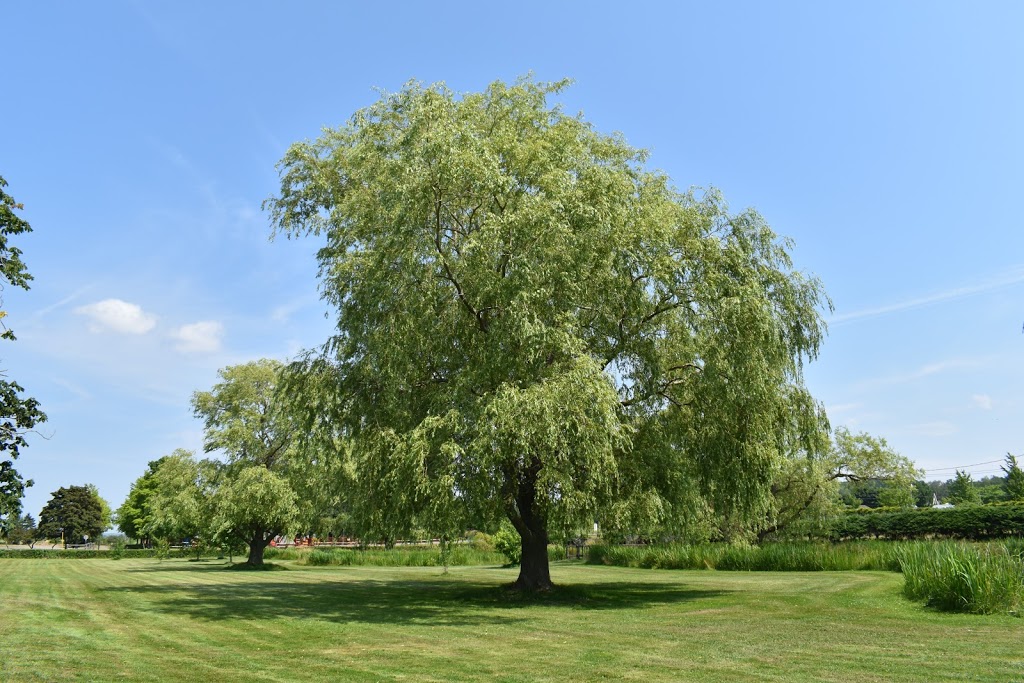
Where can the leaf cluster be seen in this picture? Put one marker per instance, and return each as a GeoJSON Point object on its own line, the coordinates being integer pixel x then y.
{"type": "Point", "coordinates": [18, 414]}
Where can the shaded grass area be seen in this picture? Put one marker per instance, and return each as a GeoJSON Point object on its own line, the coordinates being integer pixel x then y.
{"type": "Point", "coordinates": [180, 621]}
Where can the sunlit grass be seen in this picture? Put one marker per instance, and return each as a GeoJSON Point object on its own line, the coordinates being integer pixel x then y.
{"type": "Point", "coordinates": [182, 621]}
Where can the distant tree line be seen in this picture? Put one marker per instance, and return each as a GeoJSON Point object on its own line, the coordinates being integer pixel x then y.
{"type": "Point", "coordinates": [962, 488]}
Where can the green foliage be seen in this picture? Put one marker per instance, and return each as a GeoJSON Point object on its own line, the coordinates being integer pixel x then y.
{"type": "Point", "coordinates": [507, 542]}
{"type": "Point", "coordinates": [106, 514]}
{"type": "Point", "coordinates": [806, 493]}
{"type": "Point", "coordinates": [254, 503]}
{"type": "Point", "coordinates": [241, 417]}
{"type": "Point", "coordinates": [181, 502]}
{"type": "Point", "coordinates": [532, 325]}
{"type": "Point", "coordinates": [968, 521]}
{"type": "Point", "coordinates": [959, 577]}
{"type": "Point", "coordinates": [249, 420]}
{"type": "Point", "coordinates": [897, 494]}
{"type": "Point", "coordinates": [73, 513]}
{"type": "Point", "coordinates": [781, 557]}
{"type": "Point", "coordinates": [923, 494]}
{"type": "Point", "coordinates": [12, 268]}
{"type": "Point", "coordinates": [21, 531]}
{"type": "Point", "coordinates": [18, 414]}
{"type": "Point", "coordinates": [992, 493]}
{"type": "Point", "coordinates": [1014, 478]}
{"type": "Point", "coordinates": [962, 490]}
{"type": "Point", "coordinates": [478, 540]}
{"type": "Point", "coordinates": [135, 515]}
{"type": "Point", "coordinates": [459, 556]}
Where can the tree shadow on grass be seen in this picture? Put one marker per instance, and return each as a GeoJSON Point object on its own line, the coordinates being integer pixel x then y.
{"type": "Point", "coordinates": [454, 602]}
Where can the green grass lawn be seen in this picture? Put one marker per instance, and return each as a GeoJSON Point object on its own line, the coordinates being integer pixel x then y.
{"type": "Point", "coordinates": [103, 620]}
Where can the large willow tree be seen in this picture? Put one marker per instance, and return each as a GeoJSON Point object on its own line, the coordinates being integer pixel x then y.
{"type": "Point", "coordinates": [533, 324]}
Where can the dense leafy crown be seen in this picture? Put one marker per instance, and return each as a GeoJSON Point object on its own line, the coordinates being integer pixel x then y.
{"type": "Point", "coordinates": [521, 303]}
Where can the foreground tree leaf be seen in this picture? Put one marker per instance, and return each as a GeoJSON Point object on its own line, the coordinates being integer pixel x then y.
{"type": "Point", "coordinates": [18, 414]}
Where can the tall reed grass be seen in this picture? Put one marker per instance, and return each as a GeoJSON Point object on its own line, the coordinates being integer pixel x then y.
{"type": "Point", "coordinates": [779, 557]}
{"type": "Point", "coordinates": [949, 575]}
{"type": "Point", "coordinates": [983, 578]}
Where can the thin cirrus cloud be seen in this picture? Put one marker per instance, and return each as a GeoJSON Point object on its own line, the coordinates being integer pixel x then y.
{"type": "Point", "coordinates": [116, 315]}
{"type": "Point", "coordinates": [950, 365]}
{"type": "Point", "coordinates": [983, 401]}
{"type": "Point", "coordinates": [1007, 279]}
{"type": "Point", "coordinates": [201, 337]}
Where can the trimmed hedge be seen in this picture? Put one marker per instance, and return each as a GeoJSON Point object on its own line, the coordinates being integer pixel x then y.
{"type": "Point", "coordinates": [972, 522]}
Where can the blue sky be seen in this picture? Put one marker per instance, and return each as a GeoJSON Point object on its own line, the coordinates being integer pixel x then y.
{"type": "Point", "coordinates": [885, 138]}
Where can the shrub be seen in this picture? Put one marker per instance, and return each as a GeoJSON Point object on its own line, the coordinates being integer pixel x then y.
{"type": "Point", "coordinates": [478, 540]}
{"type": "Point", "coordinates": [508, 543]}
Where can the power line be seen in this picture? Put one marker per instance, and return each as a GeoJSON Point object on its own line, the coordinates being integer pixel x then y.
{"type": "Point", "coordinates": [963, 467]}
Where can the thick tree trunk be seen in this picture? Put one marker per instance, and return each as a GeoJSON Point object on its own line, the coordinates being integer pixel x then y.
{"type": "Point", "coordinates": [257, 544]}
{"type": "Point", "coordinates": [534, 574]}
{"type": "Point", "coordinates": [529, 521]}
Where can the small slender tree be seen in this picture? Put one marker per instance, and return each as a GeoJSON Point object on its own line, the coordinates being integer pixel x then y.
{"type": "Point", "coordinates": [962, 490]}
{"type": "Point", "coordinates": [181, 504]}
{"type": "Point", "coordinates": [1014, 478]}
{"type": "Point", "coordinates": [134, 516]}
{"type": "Point", "coordinates": [253, 507]}
{"type": "Point", "coordinates": [245, 419]}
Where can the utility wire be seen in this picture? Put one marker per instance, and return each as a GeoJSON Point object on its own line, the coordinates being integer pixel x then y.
{"type": "Point", "coordinates": [963, 467]}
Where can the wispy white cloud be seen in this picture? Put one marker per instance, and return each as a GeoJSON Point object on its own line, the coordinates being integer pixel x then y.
{"type": "Point", "coordinates": [926, 371]}
{"type": "Point", "coordinates": [842, 408]}
{"type": "Point", "coordinates": [1008, 278]}
{"type": "Point", "coordinates": [284, 312]}
{"type": "Point", "coordinates": [118, 316]}
{"type": "Point", "coordinates": [60, 304]}
{"type": "Point", "coordinates": [201, 337]}
{"type": "Point", "coordinates": [72, 388]}
{"type": "Point", "coordinates": [983, 401]}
